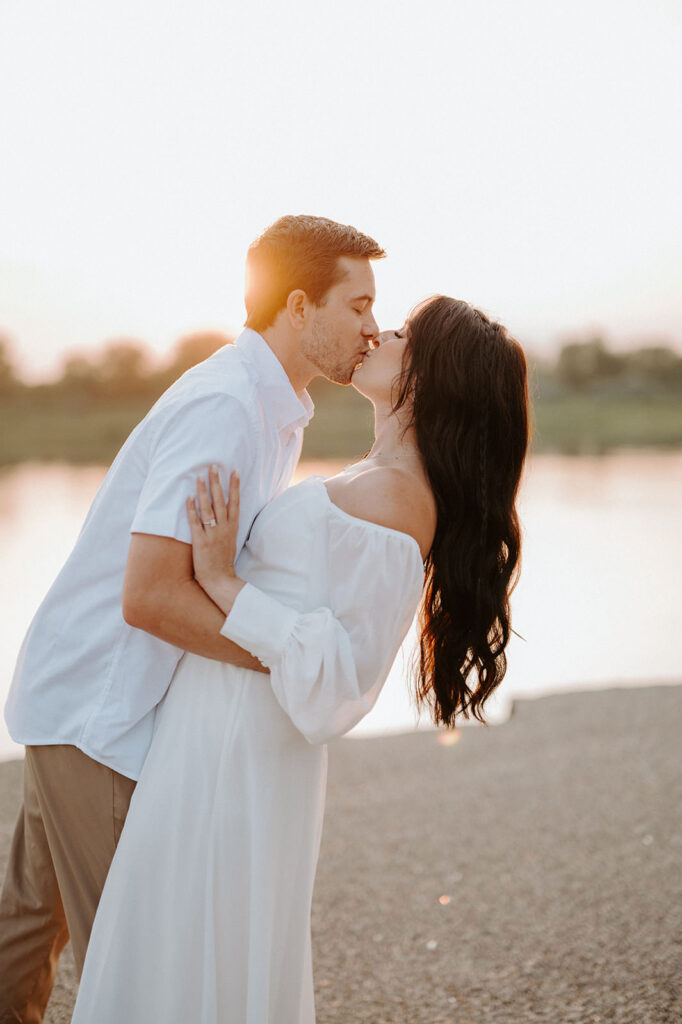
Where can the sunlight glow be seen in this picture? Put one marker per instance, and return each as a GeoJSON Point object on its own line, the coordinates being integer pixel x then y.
{"type": "Point", "coordinates": [522, 156]}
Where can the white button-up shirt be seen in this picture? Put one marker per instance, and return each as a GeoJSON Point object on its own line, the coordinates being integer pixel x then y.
{"type": "Point", "coordinates": [84, 676]}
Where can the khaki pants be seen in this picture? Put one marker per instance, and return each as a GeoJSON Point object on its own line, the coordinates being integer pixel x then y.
{"type": "Point", "coordinates": [68, 827]}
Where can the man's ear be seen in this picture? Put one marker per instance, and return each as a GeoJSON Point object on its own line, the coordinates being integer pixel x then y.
{"type": "Point", "coordinates": [297, 308]}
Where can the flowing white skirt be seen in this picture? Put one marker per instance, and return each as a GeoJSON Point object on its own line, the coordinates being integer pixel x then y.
{"type": "Point", "coordinates": [205, 915]}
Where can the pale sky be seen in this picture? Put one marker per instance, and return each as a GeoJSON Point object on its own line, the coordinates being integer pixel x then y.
{"type": "Point", "coordinates": [523, 155]}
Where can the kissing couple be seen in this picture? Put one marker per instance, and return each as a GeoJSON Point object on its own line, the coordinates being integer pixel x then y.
{"type": "Point", "coordinates": [214, 627]}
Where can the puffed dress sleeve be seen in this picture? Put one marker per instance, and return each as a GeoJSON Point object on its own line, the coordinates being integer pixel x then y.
{"type": "Point", "coordinates": [327, 666]}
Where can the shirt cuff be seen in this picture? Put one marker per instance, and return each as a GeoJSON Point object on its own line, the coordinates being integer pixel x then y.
{"type": "Point", "coordinates": [260, 624]}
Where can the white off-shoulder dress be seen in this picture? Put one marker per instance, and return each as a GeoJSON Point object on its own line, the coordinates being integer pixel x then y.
{"type": "Point", "coordinates": [205, 915]}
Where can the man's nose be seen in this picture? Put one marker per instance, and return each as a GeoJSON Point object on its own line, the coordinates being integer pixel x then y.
{"type": "Point", "coordinates": [371, 328]}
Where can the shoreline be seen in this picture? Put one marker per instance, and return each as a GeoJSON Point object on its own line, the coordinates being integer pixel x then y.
{"type": "Point", "coordinates": [499, 712]}
{"type": "Point", "coordinates": [525, 874]}
{"type": "Point", "coordinates": [573, 423]}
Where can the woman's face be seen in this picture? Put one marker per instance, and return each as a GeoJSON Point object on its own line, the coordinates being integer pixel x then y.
{"type": "Point", "coordinates": [376, 375]}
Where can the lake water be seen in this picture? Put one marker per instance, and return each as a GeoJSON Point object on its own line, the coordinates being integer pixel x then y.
{"type": "Point", "coordinates": [598, 602]}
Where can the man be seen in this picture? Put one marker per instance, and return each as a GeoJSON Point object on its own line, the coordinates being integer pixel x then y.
{"type": "Point", "coordinates": [101, 651]}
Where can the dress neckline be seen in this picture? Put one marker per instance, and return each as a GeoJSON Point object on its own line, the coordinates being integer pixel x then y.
{"type": "Point", "coordinates": [320, 479]}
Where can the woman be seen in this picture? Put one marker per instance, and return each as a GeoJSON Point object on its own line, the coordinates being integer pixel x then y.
{"type": "Point", "coordinates": [205, 916]}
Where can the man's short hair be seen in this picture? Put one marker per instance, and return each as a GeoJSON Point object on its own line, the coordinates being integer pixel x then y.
{"type": "Point", "coordinates": [299, 252]}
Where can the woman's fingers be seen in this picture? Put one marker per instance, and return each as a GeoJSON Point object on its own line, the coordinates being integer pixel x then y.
{"type": "Point", "coordinates": [217, 494]}
{"type": "Point", "coordinates": [214, 527]}
{"type": "Point", "coordinates": [205, 507]}
{"type": "Point", "coordinates": [195, 526]}
{"type": "Point", "coordinates": [212, 507]}
{"type": "Point", "coordinates": [233, 506]}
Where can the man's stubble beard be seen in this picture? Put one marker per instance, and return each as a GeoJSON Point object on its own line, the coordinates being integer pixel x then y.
{"type": "Point", "coordinates": [321, 349]}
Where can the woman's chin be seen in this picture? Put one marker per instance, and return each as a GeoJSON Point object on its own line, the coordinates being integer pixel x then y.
{"type": "Point", "coordinates": [357, 382]}
{"type": "Point", "coordinates": [370, 383]}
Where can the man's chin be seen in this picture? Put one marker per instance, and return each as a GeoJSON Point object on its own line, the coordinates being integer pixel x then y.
{"type": "Point", "coordinates": [342, 377]}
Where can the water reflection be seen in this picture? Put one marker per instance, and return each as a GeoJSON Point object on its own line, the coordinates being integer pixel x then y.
{"type": "Point", "coordinates": [598, 597]}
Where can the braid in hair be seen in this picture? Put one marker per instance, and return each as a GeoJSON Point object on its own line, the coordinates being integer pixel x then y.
{"type": "Point", "coordinates": [485, 430]}
{"type": "Point", "coordinates": [483, 485]}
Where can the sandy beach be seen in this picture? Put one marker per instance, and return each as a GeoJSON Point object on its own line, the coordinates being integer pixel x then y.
{"type": "Point", "coordinates": [530, 872]}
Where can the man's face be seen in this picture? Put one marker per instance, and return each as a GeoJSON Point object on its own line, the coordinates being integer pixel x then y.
{"type": "Point", "coordinates": [343, 327]}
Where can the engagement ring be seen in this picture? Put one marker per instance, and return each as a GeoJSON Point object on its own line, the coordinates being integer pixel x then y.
{"type": "Point", "coordinates": [209, 522]}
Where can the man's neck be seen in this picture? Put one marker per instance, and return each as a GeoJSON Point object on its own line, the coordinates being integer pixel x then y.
{"type": "Point", "coordinates": [295, 365]}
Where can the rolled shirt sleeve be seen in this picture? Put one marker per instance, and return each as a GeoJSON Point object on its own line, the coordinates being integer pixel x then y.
{"type": "Point", "coordinates": [211, 429]}
{"type": "Point", "coordinates": [327, 666]}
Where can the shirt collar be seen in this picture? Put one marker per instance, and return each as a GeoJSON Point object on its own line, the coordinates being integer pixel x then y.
{"type": "Point", "coordinates": [289, 409]}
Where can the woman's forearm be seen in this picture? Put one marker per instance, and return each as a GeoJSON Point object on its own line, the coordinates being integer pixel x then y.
{"type": "Point", "coordinates": [222, 590]}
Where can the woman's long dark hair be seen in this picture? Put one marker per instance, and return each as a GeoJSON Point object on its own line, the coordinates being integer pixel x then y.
{"type": "Point", "coordinates": [467, 380]}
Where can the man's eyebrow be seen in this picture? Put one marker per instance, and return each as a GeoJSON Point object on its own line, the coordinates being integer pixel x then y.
{"type": "Point", "coordinates": [363, 298]}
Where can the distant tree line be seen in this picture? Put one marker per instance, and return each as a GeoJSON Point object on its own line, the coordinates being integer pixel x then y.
{"type": "Point", "coordinates": [591, 366]}
{"type": "Point", "coordinates": [119, 372]}
{"type": "Point", "coordinates": [122, 372]}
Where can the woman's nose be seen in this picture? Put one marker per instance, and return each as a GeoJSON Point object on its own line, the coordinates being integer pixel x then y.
{"type": "Point", "coordinates": [379, 339]}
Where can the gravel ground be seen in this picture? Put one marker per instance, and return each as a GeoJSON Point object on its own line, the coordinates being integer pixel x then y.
{"type": "Point", "coordinates": [531, 872]}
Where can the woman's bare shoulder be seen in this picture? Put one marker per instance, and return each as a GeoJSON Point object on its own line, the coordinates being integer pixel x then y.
{"type": "Point", "coordinates": [396, 498]}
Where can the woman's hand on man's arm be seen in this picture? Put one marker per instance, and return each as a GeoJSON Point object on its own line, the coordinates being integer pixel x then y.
{"type": "Point", "coordinates": [214, 529]}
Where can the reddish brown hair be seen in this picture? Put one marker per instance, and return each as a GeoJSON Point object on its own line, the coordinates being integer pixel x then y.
{"type": "Point", "coordinates": [299, 252]}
